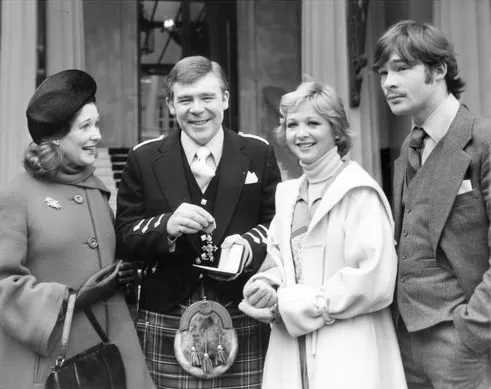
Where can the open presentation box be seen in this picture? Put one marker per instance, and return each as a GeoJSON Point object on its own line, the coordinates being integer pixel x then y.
{"type": "Point", "coordinates": [230, 262]}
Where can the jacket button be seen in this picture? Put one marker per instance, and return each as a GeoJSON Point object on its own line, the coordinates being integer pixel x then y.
{"type": "Point", "coordinates": [200, 276]}
{"type": "Point", "coordinates": [403, 279]}
{"type": "Point", "coordinates": [408, 210]}
{"type": "Point", "coordinates": [403, 257]}
{"type": "Point", "coordinates": [78, 199]}
{"type": "Point", "coordinates": [92, 242]}
{"type": "Point", "coordinates": [405, 233]}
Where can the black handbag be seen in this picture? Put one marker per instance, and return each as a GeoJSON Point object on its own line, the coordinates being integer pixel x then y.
{"type": "Point", "coordinates": [99, 367]}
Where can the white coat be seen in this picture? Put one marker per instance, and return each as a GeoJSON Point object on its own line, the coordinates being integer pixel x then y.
{"type": "Point", "coordinates": [348, 255]}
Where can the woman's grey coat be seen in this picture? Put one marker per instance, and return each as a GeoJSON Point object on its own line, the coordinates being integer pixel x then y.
{"type": "Point", "coordinates": [55, 235]}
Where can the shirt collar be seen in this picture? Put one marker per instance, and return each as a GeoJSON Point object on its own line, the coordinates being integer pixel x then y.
{"type": "Point", "coordinates": [215, 145]}
{"type": "Point", "coordinates": [438, 123]}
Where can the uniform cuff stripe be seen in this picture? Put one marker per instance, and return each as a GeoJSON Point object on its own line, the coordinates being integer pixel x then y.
{"type": "Point", "coordinates": [144, 229]}
{"type": "Point", "coordinates": [137, 227]}
{"type": "Point", "coordinates": [256, 240]}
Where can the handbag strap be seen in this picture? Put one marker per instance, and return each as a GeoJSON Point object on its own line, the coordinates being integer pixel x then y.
{"type": "Point", "coordinates": [72, 296]}
{"type": "Point", "coordinates": [65, 335]}
{"type": "Point", "coordinates": [97, 327]}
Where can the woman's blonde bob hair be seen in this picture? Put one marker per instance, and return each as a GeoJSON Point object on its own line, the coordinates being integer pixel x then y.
{"type": "Point", "coordinates": [326, 103]}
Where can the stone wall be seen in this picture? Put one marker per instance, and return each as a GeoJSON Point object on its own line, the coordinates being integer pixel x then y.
{"type": "Point", "coordinates": [111, 56]}
{"type": "Point", "coordinates": [269, 64]}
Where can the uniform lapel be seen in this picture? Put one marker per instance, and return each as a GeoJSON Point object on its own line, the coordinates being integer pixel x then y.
{"type": "Point", "coordinates": [449, 172]}
{"type": "Point", "coordinates": [233, 170]}
{"type": "Point", "coordinates": [169, 173]}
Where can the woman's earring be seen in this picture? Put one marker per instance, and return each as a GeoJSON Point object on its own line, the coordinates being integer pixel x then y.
{"type": "Point", "coordinates": [337, 139]}
{"type": "Point", "coordinates": [55, 141]}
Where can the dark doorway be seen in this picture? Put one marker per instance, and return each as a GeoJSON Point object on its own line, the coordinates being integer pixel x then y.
{"type": "Point", "coordinates": [170, 30]}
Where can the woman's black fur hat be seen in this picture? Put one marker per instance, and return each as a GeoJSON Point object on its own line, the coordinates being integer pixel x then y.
{"type": "Point", "coordinates": [56, 101]}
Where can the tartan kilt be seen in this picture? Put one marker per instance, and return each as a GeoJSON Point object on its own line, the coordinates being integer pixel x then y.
{"type": "Point", "coordinates": [156, 332]}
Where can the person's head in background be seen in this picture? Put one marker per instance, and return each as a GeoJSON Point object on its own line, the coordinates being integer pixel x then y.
{"type": "Point", "coordinates": [63, 121]}
{"type": "Point", "coordinates": [313, 122]}
{"type": "Point", "coordinates": [417, 68]}
{"type": "Point", "coordinates": [197, 94]}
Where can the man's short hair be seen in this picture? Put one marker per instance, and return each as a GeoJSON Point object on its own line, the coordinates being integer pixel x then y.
{"type": "Point", "coordinates": [417, 42]}
{"type": "Point", "coordinates": [190, 69]}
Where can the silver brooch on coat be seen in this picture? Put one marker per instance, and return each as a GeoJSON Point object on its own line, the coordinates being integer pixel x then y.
{"type": "Point", "coordinates": [50, 202]}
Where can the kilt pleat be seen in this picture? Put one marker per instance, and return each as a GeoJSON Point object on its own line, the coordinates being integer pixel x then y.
{"type": "Point", "coordinates": [157, 331]}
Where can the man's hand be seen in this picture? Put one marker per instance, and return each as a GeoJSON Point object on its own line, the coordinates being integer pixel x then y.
{"type": "Point", "coordinates": [190, 219]}
{"type": "Point", "coordinates": [237, 239]}
{"type": "Point", "coordinates": [229, 241]}
{"type": "Point", "coordinates": [99, 286]}
{"type": "Point", "coordinates": [127, 273]}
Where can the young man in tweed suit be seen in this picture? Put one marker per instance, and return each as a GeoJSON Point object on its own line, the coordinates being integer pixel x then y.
{"type": "Point", "coordinates": [442, 206]}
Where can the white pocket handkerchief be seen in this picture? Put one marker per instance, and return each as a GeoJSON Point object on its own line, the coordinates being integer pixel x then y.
{"type": "Point", "coordinates": [251, 178]}
{"type": "Point", "coordinates": [465, 187]}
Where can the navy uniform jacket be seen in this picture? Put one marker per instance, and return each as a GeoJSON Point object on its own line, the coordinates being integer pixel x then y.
{"type": "Point", "coordinates": [154, 184]}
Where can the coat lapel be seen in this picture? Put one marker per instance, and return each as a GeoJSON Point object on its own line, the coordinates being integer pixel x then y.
{"type": "Point", "coordinates": [449, 172]}
{"type": "Point", "coordinates": [233, 170]}
{"type": "Point", "coordinates": [400, 166]}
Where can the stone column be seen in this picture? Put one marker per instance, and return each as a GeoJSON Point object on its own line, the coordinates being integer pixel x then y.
{"type": "Point", "coordinates": [17, 81]}
{"type": "Point", "coordinates": [467, 24]}
{"type": "Point", "coordinates": [65, 35]}
{"type": "Point", "coordinates": [268, 38]}
{"type": "Point", "coordinates": [111, 56]}
{"type": "Point", "coordinates": [325, 59]}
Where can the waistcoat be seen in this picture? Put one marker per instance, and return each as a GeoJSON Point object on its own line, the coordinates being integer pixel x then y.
{"type": "Point", "coordinates": [427, 289]}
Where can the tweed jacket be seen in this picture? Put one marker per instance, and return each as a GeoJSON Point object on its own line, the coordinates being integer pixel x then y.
{"type": "Point", "coordinates": [153, 186]}
{"type": "Point", "coordinates": [459, 221]}
{"type": "Point", "coordinates": [54, 236]}
{"type": "Point", "coordinates": [349, 258]}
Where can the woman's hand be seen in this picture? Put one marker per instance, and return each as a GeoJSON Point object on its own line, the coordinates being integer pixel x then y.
{"type": "Point", "coordinates": [260, 294]}
{"type": "Point", "coordinates": [99, 286]}
{"type": "Point", "coordinates": [265, 315]}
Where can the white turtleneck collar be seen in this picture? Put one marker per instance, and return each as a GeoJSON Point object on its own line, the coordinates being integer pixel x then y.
{"type": "Point", "coordinates": [318, 174]}
{"type": "Point", "coordinates": [323, 168]}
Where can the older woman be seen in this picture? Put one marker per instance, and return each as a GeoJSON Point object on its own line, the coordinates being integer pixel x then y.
{"type": "Point", "coordinates": [56, 235]}
{"type": "Point", "coordinates": [329, 277]}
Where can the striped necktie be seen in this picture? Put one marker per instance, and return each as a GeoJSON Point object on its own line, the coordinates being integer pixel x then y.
{"type": "Point", "coordinates": [418, 136]}
{"type": "Point", "coordinates": [202, 171]}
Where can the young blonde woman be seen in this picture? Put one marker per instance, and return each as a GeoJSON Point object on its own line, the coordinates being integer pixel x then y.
{"type": "Point", "coordinates": [329, 277]}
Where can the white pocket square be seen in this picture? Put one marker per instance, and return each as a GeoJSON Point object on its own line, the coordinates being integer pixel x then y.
{"type": "Point", "coordinates": [465, 187]}
{"type": "Point", "coordinates": [251, 178]}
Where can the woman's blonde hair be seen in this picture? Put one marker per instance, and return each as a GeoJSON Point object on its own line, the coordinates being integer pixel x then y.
{"type": "Point", "coordinates": [326, 103]}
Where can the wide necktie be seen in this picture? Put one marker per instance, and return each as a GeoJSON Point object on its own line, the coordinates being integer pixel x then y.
{"type": "Point", "coordinates": [202, 171]}
{"type": "Point", "coordinates": [415, 150]}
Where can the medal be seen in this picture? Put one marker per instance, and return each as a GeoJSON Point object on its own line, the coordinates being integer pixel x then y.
{"type": "Point", "coordinates": [208, 248]}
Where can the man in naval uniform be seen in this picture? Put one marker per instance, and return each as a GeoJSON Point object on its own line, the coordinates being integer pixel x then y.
{"type": "Point", "coordinates": [201, 186]}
